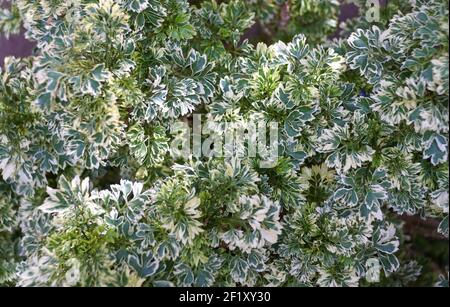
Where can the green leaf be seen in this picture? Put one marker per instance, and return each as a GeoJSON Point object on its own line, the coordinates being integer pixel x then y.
{"type": "Point", "coordinates": [436, 148]}
{"type": "Point", "coordinates": [145, 264]}
{"type": "Point", "coordinates": [443, 227]}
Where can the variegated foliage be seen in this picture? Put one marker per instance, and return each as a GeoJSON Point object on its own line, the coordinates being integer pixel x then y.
{"type": "Point", "coordinates": [91, 197]}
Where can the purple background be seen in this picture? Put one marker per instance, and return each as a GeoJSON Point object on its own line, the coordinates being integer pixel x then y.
{"type": "Point", "coordinates": [16, 45]}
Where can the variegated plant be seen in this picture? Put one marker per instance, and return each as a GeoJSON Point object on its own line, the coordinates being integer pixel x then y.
{"type": "Point", "coordinates": [90, 195]}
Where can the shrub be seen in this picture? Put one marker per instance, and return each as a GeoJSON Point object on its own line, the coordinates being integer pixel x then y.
{"type": "Point", "coordinates": [93, 196]}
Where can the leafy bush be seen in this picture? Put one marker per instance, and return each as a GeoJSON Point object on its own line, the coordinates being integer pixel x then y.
{"type": "Point", "coordinates": [92, 196]}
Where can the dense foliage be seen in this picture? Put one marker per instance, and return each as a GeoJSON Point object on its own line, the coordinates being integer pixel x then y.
{"type": "Point", "coordinates": [91, 196]}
